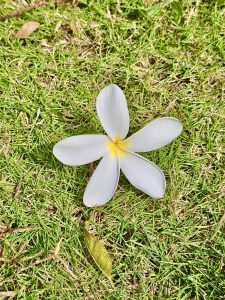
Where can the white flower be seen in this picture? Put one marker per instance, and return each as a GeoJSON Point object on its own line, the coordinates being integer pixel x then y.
{"type": "Point", "coordinates": [116, 151]}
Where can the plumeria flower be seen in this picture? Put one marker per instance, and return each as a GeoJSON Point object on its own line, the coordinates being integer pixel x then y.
{"type": "Point", "coordinates": [117, 151]}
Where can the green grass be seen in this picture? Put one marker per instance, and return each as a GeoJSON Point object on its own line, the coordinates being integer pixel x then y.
{"type": "Point", "coordinates": [49, 82]}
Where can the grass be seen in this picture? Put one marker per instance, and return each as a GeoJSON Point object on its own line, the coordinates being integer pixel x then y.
{"type": "Point", "coordinates": [168, 57]}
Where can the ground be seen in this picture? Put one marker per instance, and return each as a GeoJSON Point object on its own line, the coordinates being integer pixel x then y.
{"type": "Point", "coordinates": [168, 57]}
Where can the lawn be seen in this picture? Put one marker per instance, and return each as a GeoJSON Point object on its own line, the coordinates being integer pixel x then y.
{"type": "Point", "coordinates": [168, 57]}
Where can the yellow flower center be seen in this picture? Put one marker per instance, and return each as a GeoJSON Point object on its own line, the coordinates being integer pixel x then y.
{"type": "Point", "coordinates": [116, 146]}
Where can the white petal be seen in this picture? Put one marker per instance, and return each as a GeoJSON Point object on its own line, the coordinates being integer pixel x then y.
{"type": "Point", "coordinates": [112, 111]}
{"type": "Point", "coordinates": [81, 149]}
{"type": "Point", "coordinates": [156, 134]}
{"type": "Point", "coordinates": [103, 182]}
{"type": "Point", "coordinates": [143, 174]}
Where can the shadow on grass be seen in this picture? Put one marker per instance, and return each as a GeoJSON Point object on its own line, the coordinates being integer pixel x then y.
{"type": "Point", "coordinates": [43, 155]}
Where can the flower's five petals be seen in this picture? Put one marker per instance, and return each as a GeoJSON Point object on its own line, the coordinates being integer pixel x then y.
{"type": "Point", "coordinates": [81, 149]}
{"type": "Point", "coordinates": [103, 182]}
{"type": "Point", "coordinates": [118, 153]}
{"type": "Point", "coordinates": [156, 134]}
{"type": "Point", "coordinates": [113, 112]}
{"type": "Point", "coordinates": [143, 174]}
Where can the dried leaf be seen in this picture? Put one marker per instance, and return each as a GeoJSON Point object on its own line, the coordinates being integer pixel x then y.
{"type": "Point", "coordinates": [26, 30]}
{"type": "Point", "coordinates": [57, 247]}
{"type": "Point", "coordinates": [98, 252]}
{"type": "Point", "coordinates": [7, 294]}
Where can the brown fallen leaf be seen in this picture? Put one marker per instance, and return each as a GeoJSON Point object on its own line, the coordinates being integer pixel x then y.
{"type": "Point", "coordinates": [7, 294]}
{"type": "Point", "coordinates": [26, 30]}
{"type": "Point", "coordinates": [98, 252]}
